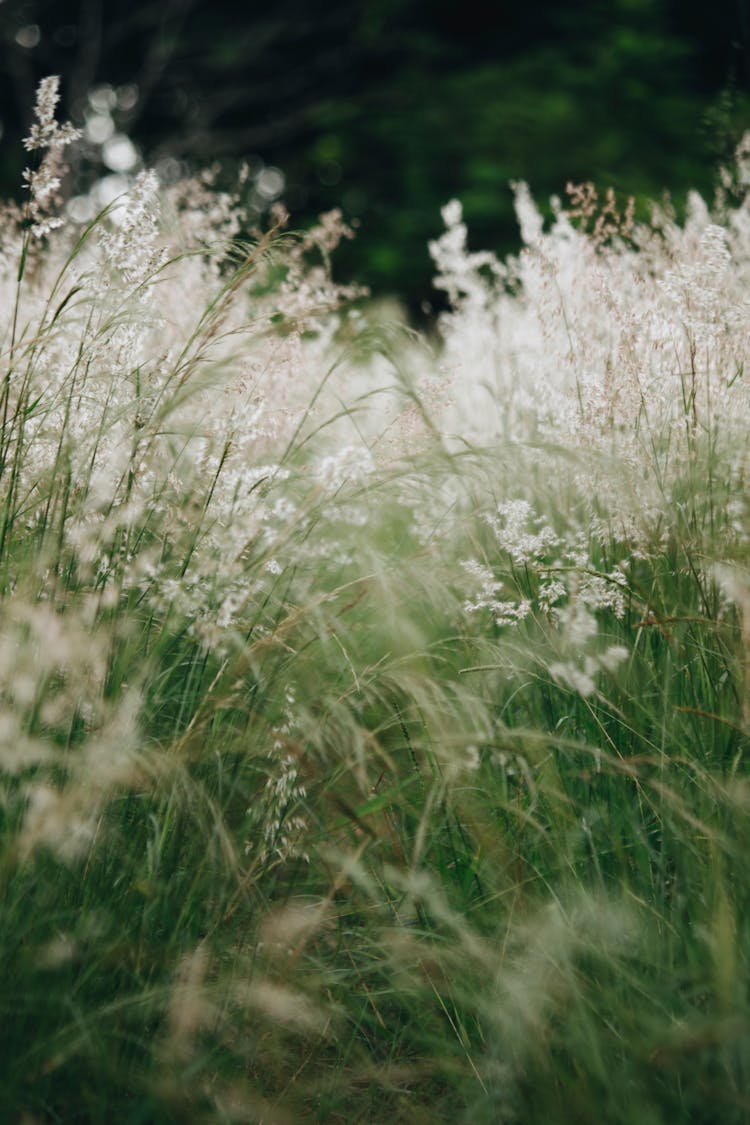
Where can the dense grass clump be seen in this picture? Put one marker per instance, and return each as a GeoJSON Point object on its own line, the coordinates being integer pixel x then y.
{"type": "Point", "coordinates": [373, 713]}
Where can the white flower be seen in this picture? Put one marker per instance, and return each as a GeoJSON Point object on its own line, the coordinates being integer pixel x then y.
{"type": "Point", "coordinates": [44, 182]}
{"type": "Point", "coordinates": [348, 465]}
{"type": "Point", "coordinates": [452, 213]}
{"type": "Point", "coordinates": [45, 131]}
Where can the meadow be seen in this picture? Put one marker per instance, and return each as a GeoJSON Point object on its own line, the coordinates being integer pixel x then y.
{"type": "Point", "coordinates": [373, 704]}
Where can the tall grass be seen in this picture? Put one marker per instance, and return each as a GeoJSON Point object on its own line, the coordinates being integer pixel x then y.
{"type": "Point", "coordinates": [373, 713]}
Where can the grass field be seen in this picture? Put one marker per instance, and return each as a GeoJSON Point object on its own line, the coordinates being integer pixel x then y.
{"type": "Point", "coordinates": [374, 707]}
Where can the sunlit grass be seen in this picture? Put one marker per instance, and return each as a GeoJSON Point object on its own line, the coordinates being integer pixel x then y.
{"type": "Point", "coordinates": [372, 735]}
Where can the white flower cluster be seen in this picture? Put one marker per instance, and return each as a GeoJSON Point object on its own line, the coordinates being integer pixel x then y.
{"type": "Point", "coordinates": [279, 824]}
{"type": "Point", "coordinates": [584, 660]}
{"type": "Point", "coordinates": [44, 182]}
{"type": "Point", "coordinates": [132, 246]}
{"type": "Point", "coordinates": [351, 464]}
{"type": "Point", "coordinates": [558, 572]}
{"type": "Point", "coordinates": [624, 342]}
{"type": "Point", "coordinates": [520, 534]}
{"type": "Point", "coordinates": [46, 132]}
{"type": "Point", "coordinates": [169, 391]}
{"type": "Point", "coordinates": [505, 611]}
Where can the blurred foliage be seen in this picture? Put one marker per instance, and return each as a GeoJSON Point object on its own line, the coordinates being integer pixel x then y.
{"type": "Point", "coordinates": [390, 107]}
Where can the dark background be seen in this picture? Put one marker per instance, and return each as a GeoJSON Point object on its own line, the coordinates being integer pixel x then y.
{"type": "Point", "coordinates": [388, 108]}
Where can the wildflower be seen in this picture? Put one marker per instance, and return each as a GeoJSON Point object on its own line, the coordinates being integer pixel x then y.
{"type": "Point", "coordinates": [133, 246]}
{"type": "Point", "coordinates": [348, 465]}
{"type": "Point", "coordinates": [44, 182]}
{"type": "Point", "coordinates": [572, 676]}
{"type": "Point", "coordinates": [46, 131]}
{"type": "Point", "coordinates": [505, 611]}
{"type": "Point", "coordinates": [512, 530]}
